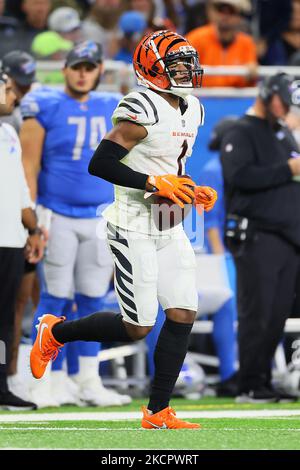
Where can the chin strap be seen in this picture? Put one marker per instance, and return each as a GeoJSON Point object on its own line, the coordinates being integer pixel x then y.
{"type": "Point", "coordinates": [181, 92]}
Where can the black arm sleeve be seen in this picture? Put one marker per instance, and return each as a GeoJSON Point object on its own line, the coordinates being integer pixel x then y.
{"type": "Point", "coordinates": [106, 164]}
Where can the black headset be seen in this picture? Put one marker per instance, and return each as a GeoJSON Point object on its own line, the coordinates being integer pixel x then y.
{"type": "Point", "coordinates": [277, 84]}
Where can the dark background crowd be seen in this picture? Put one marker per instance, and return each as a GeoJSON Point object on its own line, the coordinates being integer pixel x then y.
{"type": "Point", "coordinates": [271, 28]}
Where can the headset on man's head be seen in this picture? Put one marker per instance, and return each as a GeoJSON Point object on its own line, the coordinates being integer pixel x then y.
{"type": "Point", "coordinates": [282, 84]}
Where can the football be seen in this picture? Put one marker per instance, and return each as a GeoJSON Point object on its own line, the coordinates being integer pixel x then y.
{"type": "Point", "coordinates": [166, 214]}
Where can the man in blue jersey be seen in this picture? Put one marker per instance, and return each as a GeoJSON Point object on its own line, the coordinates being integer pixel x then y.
{"type": "Point", "coordinates": [61, 131]}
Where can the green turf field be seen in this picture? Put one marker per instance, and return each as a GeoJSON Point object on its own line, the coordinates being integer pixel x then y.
{"type": "Point", "coordinates": [252, 427]}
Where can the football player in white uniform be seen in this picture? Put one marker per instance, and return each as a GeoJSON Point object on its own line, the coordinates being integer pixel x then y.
{"type": "Point", "coordinates": [154, 131]}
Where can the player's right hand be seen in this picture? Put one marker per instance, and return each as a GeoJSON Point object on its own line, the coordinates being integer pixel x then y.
{"type": "Point", "coordinates": [176, 188]}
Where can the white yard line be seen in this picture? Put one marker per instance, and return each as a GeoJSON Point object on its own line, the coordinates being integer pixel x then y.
{"type": "Point", "coordinates": [80, 429]}
{"type": "Point", "coordinates": [124, 416]}
{"type": "Point", "coordinates": [47, 428]}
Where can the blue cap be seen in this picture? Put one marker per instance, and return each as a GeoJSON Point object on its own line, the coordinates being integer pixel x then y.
{"type": "Point", "coordinates": [20, 66]}
{"type": "Point", "coordinates": [88, 51]}
{"type": "Point", "coordinates": [132, 22]}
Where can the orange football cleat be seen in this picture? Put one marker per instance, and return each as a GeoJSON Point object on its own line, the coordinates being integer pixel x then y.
{"type": "Point", "coordinates": [165, 419]}
{"type": "Point", "coordinates": [45, 346]}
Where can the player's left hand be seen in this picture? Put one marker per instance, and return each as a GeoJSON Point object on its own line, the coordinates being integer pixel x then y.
{"type": "Point", "coordinates": [205, 196]}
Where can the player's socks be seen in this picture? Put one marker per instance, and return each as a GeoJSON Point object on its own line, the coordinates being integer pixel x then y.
{"type": "Point", "coordinates": [100, 326]}
{"type": "Point", "coordinates": [85, 306]}
{"type": "Point", "coordinates": [72, 349]}
{"type": "Point", "coordinates": [169, 355]}
{"type": "Point", "coordinates": [57, 365]}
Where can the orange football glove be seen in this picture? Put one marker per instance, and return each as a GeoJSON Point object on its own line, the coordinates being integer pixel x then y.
{"type": "Point", "coordinates": [176, 188]}
{"type": "Point", "coordinates": [206, 196]}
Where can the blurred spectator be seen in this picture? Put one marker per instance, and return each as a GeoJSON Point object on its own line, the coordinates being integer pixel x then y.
{"type": "Point", "coordinates": [8, 26]}
{"type": "Point", "coordinates": [50, 46]}
{"type": "Point", "coordinates": [271, 18]}
{"type": "Point", "coordinates": [169, 8]}
{"type": "Point", "coordinates": [101, 25]}
{"type": "Point", "coordinates": [195, 14]}
{"type": "Point", "coordinates": [67, 23]}
{"type": "Point", "coordinates": [221, 43]}
{"type": "Point", "coordinates": [13, 8]}
{"type": "Point", "coordinates": [15, 214]}
{"type": "Point", "coordinates": [170, 17]}
{"type": "Point", "coordinates": [132, 25]}
{"type": "Point", "coordinates": [84, 5]}
{"type": "Point", "coordinates": [148, 9]}
{"type": "Point", "coordinates": [21, 68]}
{"type": "Point", "coordinates": [36, 14]}
{"type": "Point", "coordinates": [75, 4]}
{"type": "Point", "coordinates": [3, 18]}
{"type": "Point", "coordinates": [20, 34]}
{"type": "Point", "coordinates": [282, 49]}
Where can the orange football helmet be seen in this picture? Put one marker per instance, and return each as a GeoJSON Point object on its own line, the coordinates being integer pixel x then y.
{"type": "Point", "coordinates": [154, 55]}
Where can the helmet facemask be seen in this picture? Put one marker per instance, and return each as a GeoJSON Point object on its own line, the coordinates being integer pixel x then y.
{"type": "Point", "coordinates": [191, 77]}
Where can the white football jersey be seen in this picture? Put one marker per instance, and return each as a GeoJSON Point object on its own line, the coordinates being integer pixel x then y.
{"type": "Point", "coordinates": [169, 142]}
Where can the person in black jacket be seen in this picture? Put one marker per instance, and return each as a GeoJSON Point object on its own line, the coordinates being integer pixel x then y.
{"type": "Point", "coordinates": [261, 167]}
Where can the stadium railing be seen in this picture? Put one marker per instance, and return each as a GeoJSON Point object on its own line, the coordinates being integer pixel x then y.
{"type": "Point", "coordinates": [118, 75]}
{"type": "Point", "coordinates": [138, 379]}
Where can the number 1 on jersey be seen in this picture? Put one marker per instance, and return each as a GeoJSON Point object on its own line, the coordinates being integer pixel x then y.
{"type": "Point", "coordinates": [181, 156]}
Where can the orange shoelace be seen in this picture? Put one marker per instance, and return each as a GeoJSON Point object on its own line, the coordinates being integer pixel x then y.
{"type": "Point", "coordinates": [49, 353]}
